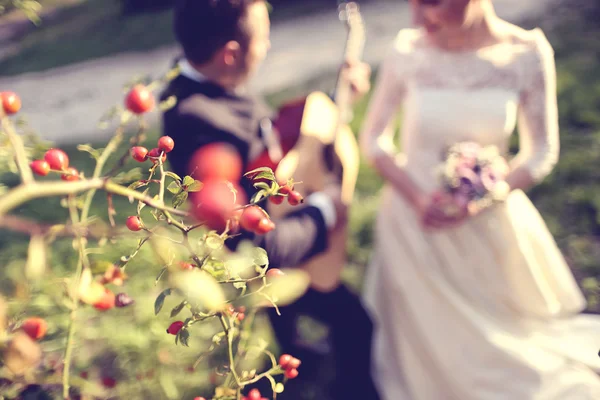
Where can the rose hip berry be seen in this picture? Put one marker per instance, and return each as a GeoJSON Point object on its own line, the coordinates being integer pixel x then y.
{"type": "Point", "coordinates": [215, 203]}
{"type": "Point", "coordinates": [139, 153]}
{"type": "Point", "coordinates": [254, 394]}
{"type": "Point", "coordinates": [57, 159]}
{"type": "Point", "coordinates": [71, 174]}
{"type": "Point", "coordinates": [291, 373]}
{"type": "Point", "coordinates": [139, 100]}
{"type": "Point", "coordinates": [166, 144]}
{"type": "Point", "coordinates": [11, 103]}
{"type": "Point", "coordinates": [134, 223]}
{"type": "Point", "coordinates": [284, 360]}
{"type": "Point", "coordinates": [175, 327]}
{"type": "Point", "coordinates": [295, 198]}
{"type": "Point", "coordinates": [277, 199]}
{"type": "Point", "coordinates": [285, 188]}
{"type": "Point", "coordinates": [154, 154]}
{"type": "Point", "coordinates": [35, 327]}
{"type": "Point", "coordinates": [106, 302]}
{"type": "Point", "coordinates": [40, 167]}
{"type": "Point", "coordinates": [218, 161]}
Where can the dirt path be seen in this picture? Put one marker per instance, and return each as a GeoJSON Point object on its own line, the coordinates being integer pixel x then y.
{"type": "Point", "coordinates": [64, 104]}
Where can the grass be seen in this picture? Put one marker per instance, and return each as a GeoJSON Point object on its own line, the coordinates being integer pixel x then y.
{"type": "Point", "coordinates": [92, 29]}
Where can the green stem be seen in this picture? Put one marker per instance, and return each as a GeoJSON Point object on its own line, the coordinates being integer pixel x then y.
{"type": "Point", "coordinates": [34, 190]}
{"type": "Point", "coordinates": [19, 148]}
{"type": "Point", "coordinates": [230, 350]}
{"type": "Point", "coordinates": [110, 147]}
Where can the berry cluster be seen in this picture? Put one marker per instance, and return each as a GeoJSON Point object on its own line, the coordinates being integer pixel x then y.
{"type": "Point", "coordinates": [286, 189]}
{"type": "Point", "coordinates": [290, 365]}
{"type": "Point", "coordinates": [165, 145]}
{"type": "Point", "coordinates": [55, 160]}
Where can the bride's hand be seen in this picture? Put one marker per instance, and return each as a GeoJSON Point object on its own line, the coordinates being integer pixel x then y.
{"type": "Point", "coordinates": [434, 212]}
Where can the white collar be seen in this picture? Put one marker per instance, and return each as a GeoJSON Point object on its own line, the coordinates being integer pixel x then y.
{"type": "Point", "coordinates": [186, 69]}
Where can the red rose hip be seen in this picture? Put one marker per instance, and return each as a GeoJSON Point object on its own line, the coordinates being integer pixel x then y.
{"type": "Point", "coordinates": [40, 167]}
{"type": "Point", "coordinates": [57, 159]}
{"type": "Point", "coordinates": [219, 161]}
{"type": "Point", "coordinates": [35, 327]}
{"type": "Point", "coordinates": [134, 223]}
{"type": "Point", "coordinates": [139, 153]}
{"type": "Point", "coordinates": [71, 174]}
{"type": "Point", "coordinates": [166, 144]}
{"type": "Point", "coordinates": [139, 100]}
{"type": "Point", "coordinates": [11, 103]}
{"type": "Point", "coordinates": [175, 327]}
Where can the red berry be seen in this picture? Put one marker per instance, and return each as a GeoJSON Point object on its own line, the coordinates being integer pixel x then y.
{"type": "Point", "coordinates": [251, 217]}
{"type": "Point", "coordinates": [166, 144]}
{"type": "Point", "coordinates": [11, 103]}
{"type": "Point", "coordinates": [215, 203]}
{"type": "Point", "coordinates": [276, 199]}
{"type": "Point", "coordinates": [284, 360]}
{"type": "Point", "coordinates": [134, 223]}
{"type": "Point", "coordinates": [155, 153]}
{"type": "Point", "coordinates": [294, 363]}
{"type": "Point", "coordinates": [219, 161]}
{"type": "Point", "coordinates": [186, 265]}
{"type": "Point", "coordinates": [291, 373]}
{"type": "Point", "coordinates": [254, 394]}
{"type": "Point", "coordinates": [139, 153]}
{"type": "Point", "coordinates": [71, 175]}
{"type": "Point", "coordinates": [175, 327]}
{"type": "Point", "coordinates": [285, 188]}
{"type": "Point", "coordinates": [106, 302]}
{"type": "Point", "coordinates": [264, 226]}
{"type": "Point", "coordinates": [274, 273]}
{"type": "Point", "coordinates": [57, 159]}
{"type": "Point", "coordinates": [241, 316]}
{"type": "Point", "coordinates": [139, 100]}
{"type": "Point", "coordinates": [40, 167]}
{"type": "Point", "coordinates": [109, 382]}
{"type": "Point", "coordinates": [199, 398]}
{"type": "Point", "coordinates": [35, 327]}
{"type": "Point", "coordinates": [295, 198]}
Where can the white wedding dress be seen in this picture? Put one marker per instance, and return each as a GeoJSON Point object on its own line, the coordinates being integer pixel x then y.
{"type": "Point", "coordinates": [488, 310]}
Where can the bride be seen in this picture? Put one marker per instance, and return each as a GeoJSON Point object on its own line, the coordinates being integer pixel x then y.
{"type": "Point", "coordinates": [478, 305]}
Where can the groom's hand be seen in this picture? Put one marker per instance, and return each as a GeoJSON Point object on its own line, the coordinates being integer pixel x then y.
{"type": "Point", "coordinates": [358, 75]}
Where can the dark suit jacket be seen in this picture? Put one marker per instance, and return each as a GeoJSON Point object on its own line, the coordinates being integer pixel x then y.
{"type": "Point", "coordinates": [205, 113]}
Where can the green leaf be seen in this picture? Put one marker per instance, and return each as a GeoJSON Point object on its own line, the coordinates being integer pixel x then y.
{"type": "Point", "coordinates": [160, 300]}
{"type": "Point", "coordinates": [173, 175]}
{"type": "Point", "coordinates": [160, 274]}
{"type": "Point", "coordinates": [174, 187]}
{"type": "Point", "coordinates": [137, 185]}
{"type": "Point", "coordinates": [89, 149]}
{"type": "Point", "coordinates": [262, 185]}
{"type": "Point", "coordinates": [256, 197]}
{"type": "Point", "coordinates": [179, 199]}
{"type": "Point", "coordinates": [188, 180]}
{"type": "Point", "coordinates": [184, 336]}
{"type": "Point", "coordinates": [260, 256]}
{"type": "Point", "coordinates": [177, 309]}
{"type": "Point", "coordinates": [260, 173]}
{"type": "Point", "coordinates": [214, 241]}
{"type": "Point", "coordinates": [195, 187]}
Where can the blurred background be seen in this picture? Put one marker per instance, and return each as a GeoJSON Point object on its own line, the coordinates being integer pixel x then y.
{"type": "Point", "coordinates": [71, 67]}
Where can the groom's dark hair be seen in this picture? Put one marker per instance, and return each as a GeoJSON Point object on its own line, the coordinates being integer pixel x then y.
{"type": "Point", "coordinates": [202, 27]}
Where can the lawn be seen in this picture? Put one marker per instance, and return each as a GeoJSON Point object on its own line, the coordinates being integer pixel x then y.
{"type": "Point", "coordinates": [569, 201]}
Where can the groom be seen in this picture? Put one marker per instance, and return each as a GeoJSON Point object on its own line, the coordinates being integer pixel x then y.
{"type": "Point", "coordinates": [224, 42]}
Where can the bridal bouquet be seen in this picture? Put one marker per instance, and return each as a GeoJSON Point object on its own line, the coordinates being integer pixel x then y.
{"type": "Point", "coordinates": [473, 177]}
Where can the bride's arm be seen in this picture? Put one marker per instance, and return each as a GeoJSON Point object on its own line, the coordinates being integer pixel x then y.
{"type": "Point", "coordinates": [377, 133]}
{"type": "Point", "coordinates": [538, 120]}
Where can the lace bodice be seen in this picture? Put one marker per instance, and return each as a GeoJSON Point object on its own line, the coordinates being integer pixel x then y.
{"type": "Point", "coordinates": [474, 95]}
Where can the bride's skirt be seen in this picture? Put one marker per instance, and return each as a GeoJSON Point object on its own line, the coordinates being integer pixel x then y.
{"type": "Point", "coordinates": [489, 310]}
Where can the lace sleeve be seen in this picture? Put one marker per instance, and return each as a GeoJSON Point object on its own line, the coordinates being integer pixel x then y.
{"type": "Point", "coordinates": [377, 134]}
{"type": "Point", "coordinates": [538, 114]}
